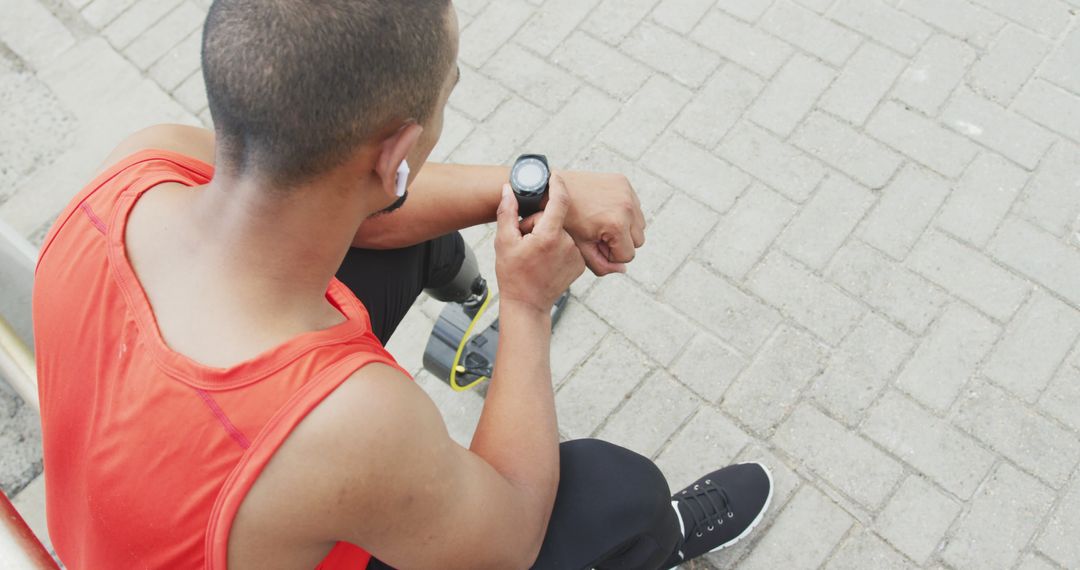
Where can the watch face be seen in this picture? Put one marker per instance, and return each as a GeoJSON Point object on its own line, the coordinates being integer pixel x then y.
{"type": "Point", "coordinates": [529, 177]}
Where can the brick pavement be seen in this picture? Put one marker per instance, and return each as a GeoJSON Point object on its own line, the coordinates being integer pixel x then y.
{"type": "Point", "coordinates": [864, 253]}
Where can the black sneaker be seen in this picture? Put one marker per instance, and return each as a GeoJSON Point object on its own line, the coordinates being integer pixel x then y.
{"type": "Point", "coordinates": [719, 509]}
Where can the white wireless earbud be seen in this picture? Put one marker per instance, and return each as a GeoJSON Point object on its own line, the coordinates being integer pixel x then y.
{"type": "Point", "coordinates": [402, 180]}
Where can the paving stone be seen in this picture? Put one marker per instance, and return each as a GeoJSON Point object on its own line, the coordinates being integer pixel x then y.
{"type": "Point", "coordinates": [718, 105]}
{"type": "Point", "coordinates": [1050, 199]}
{"type": "Point", "coordinates": [652, 191]}
{"type": "Point", "coordinates": [733, 316]}
{"type": "Point", "coordinates": [552, 22]}
{"type": "Point", "coordinates": [783, 167]}
{"type": "Point", "coordinates": [886, 285]}
{"type": "Point", "coordinates": [922, 139]}
{"type": "Point", "coordinates": [826, 221]}
{"type": "Point", "coordinates": [904, 211]}
{"type": "Point", "coordinates": [645, 116]}
{"type": "Point", "coordinates": [805, 297]}
{"type": "Point", "coordinates": [917, 518]}
{"type": "Point", "coordinates": [476, 95]}
{"type": "Point", "coordinates": [864, 81]}
{"type": "Point", "coordinates": [20, 443]}
{"type": "Point", "coordinates": [706, 443]}
{"type": "Point", "coordinates": [980, 540]}
{"type": "Point", "coordinates": [1062, 397]}
{"type": "Point", "coordinates": [696, 172]}
{"type": "Point", "coordinates": [674, 234]}
{"type": "Point", "coordinates": [775, 380]}
{"type": "Point", "coordinates": [1040, 256]}
{"type": "Point", "coordinates": [1032, 441]}
{"type": "Point", "coordinates": [603, 66]}
{"type": "Point", "coordinates": [791, 94]}
{"type": "Point", "coordinates": [940, 451]}
{"type": "Point", "coordinates": [651, 415]}
{"type": "Point", "coordinates": [566, 133]}
{"type": "Point", "coordinates": [612, 20]}
{"type": "Point", "coordinates": [574, 339]}
{"type": "Point", "coordinates": [993, 126]}
{"type": "Point", "coordinates": [156, 41]}
{"type": "Point", "coordinates": [883, 23]}
{"type": "Point", "coordinates": [746, 231]}
{"type": "Point", "coordinates": [532, 78]}
{"type": "Point", "coordinates": [811, 521]}
{"type": "Point", "coordinates": [192, 93]}
{"type": "Point", "coordinates": [599, 386]}
{"type": "Point", "coordinates": [707, 366]}
{"type": "Point", "coordinates": [747, 10]}
{"type": "Point", "coordinates": [849, 151]}
{"type": "Point", "coordinates": [860, 368]}
{"type": "Point", "coordinates": [968, 274]}
{"type": "Point", "coordinates": [982, 198]}
{"type": "Point", "coordinates": [740, 43]}
{"type": "Point", "coordinates": [1034, 345]}
{"type": "Point", "coordinates": [99, 13]}
{"type": "Point", "coordinates": [960, 18]}
{"type": "Point", "coordinates": [1048, 17]}
{"type": "Point", "coordinates": [654, 327]}
{"type": "Point", "coordinates": [1058, 540]}
{"type": "Point", "coordinates": [1010, 62]}
{"type": "Point", "coordinates": [490, 29]}
{"type": "Point", "coordinates": [1060, 68]}
{"type": "Point", "coordinates": [1033, 562]}
{"type": "Point", "coordinates": [810, 32]}
{"type": "Point", "coordinates": [456, 127]}
{"type": "Point", "coordinates": [845, 460]}
{"type": "Point", "coordinates": [23, 28]}
{"type": "Point", "coordinates": [138, 19]}
{"type": "Point", "coordinates": [1052, 107]}
{"type": "Point", "coordinates": [31, 113]}
{"type": "Point", "coordinates": [179, 62]}
{"type": "Point", "coordinates": [948, 357]}
{"type": "Point", "coordinates": [940, 65]}
{"type": "Point", "coordinates": [865, 549]}
{"type": "Point", "coordinates": [683, 15]}
{"type": "Point", "coordinates": [819, 6]}
{"type": "Point", "coordinates": [670, 53]}
{"type": "Point", "coordinates": [497, 139]}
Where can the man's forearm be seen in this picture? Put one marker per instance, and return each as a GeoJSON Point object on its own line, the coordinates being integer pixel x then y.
{"type": "Point", "coordinates": [443, 198]}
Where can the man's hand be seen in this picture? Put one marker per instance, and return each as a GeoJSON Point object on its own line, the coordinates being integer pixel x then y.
{"type": "Point", "coordinates": [604, 219]}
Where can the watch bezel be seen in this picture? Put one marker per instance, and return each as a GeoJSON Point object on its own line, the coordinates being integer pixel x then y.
{"type": "Point", "coordinates": [537, 189]}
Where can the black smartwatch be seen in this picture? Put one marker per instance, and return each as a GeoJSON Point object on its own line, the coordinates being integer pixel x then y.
{"type": "Point", "coordinates": [529, 179]}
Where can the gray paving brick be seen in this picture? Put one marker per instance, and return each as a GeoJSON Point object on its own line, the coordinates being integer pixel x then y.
{"type": "Point", "coordinates": [476, 95]}
{"type": "Point", "coordinates": [179, 62]}
{"type": "Point", "coordinates": [746, 231]}
{"type": "Point", "coordinates": [748, 10]}
{"type": "Point", "coordinates": [810, 32]}
{"type": "Point", "coordinates": [100, 13]}
{"type": "Point", "coordinates": [1058, 540]}
{"type": "Point", "coordinates": [136, 20]}
{"type": "Point", "coordinates": [1061, 67]}
{"type": "Point", "coordinates": [156, 41]}
{"type": "Point", "coordinates": [718, 105]}
{"type": "Point", "coordinates": [552, 22]}
{"type": "Point", "coordinates": [651, 415]}
{"type": "Point", "coordinates": [845, 460]}
{"type": "Point", "coordinates": [1050, 199]}
{"type": "Point", "coordinates": [826, 221]}
{"type": "Point", "coordinates": [904, 211]}
{"type": "Point", "coordinates": [601, 65]}
{"type": "Point", "coordinates": [1052, 107]}
{"type": "Point", "coordinates": [1048, 17]}
{"type": "Point", "coordinates": [682, 15]}
{"type": "Point", "coordinates": [532, 78]}
{"type": "Point", "coordinates": [599, 386]}
{"type": "Point", "coordinates": [810, 520]}
{"type": "Point", "coordinates": [1033, 562]}
{"type": "Point", "coordinates": [941, 452]}
{"type": "Point", "coordinates": [783, 167]}
{"type": "Point", "coordinates": [993, 126]}
{"type": "Point", "coordinates": [864, 549]}
{"type": "Point", "coordinates": [1010, 62]}
{"type": "Point", "coordinates": [566, 133]}
{"type": "Point", "coordinates": [654, 327]}
{"type": "Point", "coordinates": [805, 297]}
{"type": "Point", "coordinates": [864, 81]}
{"type": "Point", "coordinates": [645, 116]}
{"type": "Point", "coordinates": [1062, 397]}
{"type": "Point", "coordinates": [921, 139]}
{"type": "Point", "coordinates": [948, 357]}
{"type": "Point", "coordinates": [707, 366]}
{"type": "Point", "coordinates": [740, 43]}
{"type": "Point", "coordinates": [960, 18]}
{"type": "Point", "coordinates": [1032, 441]}
{"type": "Point", "coordinates": [849, 151]}
{"type": "Point", "coordinates": [192, 93]}
{"type": "Point", "coordinates": [708, 442]}
{"type": "Point", "coordinates": [886, 285]}
{"type": "Point", "coordinates": [670, 53]}
{"type": "Point", "coordinates": [968, 274]}
{"type": "Point", "coordinates": [791, 94]}
{"type": "Point", "coordinates": [491, 28]}
{"type": "Point", "coordinates": [696, 172]}
{"type": "Point", "coordinates": [982, 198]}
{"type": "Point", "coordinates": [613, 19]}
{"type": "Point", "coordinates": [674, 234]}
{"type": "Point", "coordinates": [940, 65]}
{"type": "Point", "coordinates": [917, 518]}
{"type": "Point", "coordinates": [1040, 256]}
{"type": "Point", "coordinates": [24, 27]}
{"type": "Point", "coordinates": [496, 140]}
{"type": "Point", "coordinates": [1035, 343]}
{"type": "Point", "coordinates": [574, 339]}
{"type": "Point", "coordinates": [456, 127]}
{"type": "Point", "coordinates": [819, 6]}
{"type": "Point", "coordinates": [733, 316]}
{"type": "Point", "coordinates": [980, 539]}
{"type": "Point", "coordinates": [883, 23]}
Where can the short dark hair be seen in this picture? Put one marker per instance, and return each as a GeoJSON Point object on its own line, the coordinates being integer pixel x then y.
{"type": "Point", "coordinates": [295, 85]}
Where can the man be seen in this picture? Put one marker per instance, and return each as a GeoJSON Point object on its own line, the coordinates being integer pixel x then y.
{"type": "Point", "coordinates": [212, 396]}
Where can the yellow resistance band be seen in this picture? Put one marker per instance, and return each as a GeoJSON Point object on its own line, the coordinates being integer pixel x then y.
{"type": "Point", "coordinates": [457, 367]}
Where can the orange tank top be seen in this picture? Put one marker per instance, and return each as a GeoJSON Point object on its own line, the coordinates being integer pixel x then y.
{"type": "Point", "coordinates": [149, 454]}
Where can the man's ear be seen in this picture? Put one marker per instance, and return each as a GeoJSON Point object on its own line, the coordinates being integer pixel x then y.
{"type": "Point", "coordinates": [395, 149]}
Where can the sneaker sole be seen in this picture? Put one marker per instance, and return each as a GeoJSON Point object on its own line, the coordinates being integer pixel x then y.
{"type": "Point", "coordinates": [757, 519]}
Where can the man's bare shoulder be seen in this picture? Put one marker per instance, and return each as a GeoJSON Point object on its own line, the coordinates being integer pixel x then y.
{"type": "Point", "coordinates": [195, 142]}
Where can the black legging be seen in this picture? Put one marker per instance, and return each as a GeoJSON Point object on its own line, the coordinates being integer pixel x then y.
{"type": "Point", "coordinates": [613, 506]}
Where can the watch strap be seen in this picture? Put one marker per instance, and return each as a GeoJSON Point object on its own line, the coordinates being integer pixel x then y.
{"type": "Point", "coordinates": [529, 205]}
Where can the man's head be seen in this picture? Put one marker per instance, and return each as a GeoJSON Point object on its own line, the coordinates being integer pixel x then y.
{"type": "Point", "coordinates": [296, 88]}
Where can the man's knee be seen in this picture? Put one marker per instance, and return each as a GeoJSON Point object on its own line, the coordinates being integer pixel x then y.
{"type": "Point", "coordinates": [622, 482]}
